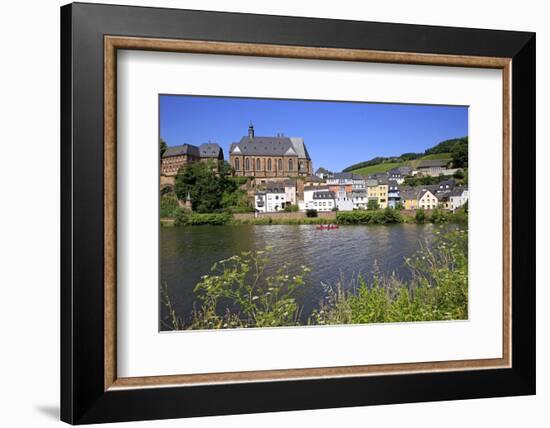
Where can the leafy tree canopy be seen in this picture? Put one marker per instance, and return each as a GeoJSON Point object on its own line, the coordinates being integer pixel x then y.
{"type": "Point", "coordinates": [162, 146]}
{"type": "Point", "coordinates": [208, 184]}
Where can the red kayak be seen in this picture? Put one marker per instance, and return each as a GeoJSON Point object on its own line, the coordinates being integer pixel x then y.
{"type": "Point", "coordinates": [327, 226]}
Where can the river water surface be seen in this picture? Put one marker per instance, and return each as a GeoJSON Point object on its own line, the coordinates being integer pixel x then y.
{"type": "Point", "coordinates": [187, 253]}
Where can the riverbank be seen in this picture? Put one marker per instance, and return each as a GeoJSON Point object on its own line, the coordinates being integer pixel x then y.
{"type": "Point", "coordinates": [358, 217]}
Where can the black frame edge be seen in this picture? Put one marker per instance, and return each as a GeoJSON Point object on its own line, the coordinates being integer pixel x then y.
{"type": "Point", "coordinates": [524, 219]}
{"type": "Point", "coordinates": [66, 316]}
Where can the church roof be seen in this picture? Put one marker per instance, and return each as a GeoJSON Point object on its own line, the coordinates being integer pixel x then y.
{"type": "Point", "coordinates": [183, 149]}
{"type": "Point", "coordinates": [270, 146]}
{"type": "Point", "coordinates": [210, 150]}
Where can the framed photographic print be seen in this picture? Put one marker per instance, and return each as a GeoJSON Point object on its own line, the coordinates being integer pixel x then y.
{"type": "Point", "coordinates": [264, 213]}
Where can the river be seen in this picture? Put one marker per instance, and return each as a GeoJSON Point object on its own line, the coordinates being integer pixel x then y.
{"type": "Point", "coordinates": [187, 253]}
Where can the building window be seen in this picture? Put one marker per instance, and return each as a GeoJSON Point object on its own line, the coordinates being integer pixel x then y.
{"type": "Point", "coordinates": [280, 165]}
{"type": "Point", "coordinates": [237, 164]}
{"type": "Point", "coordinates": [247, 164]}
{"type": "Point", "coordinates": [269, 164]}
{"type": "Point", "coordinates": [290, 165]}
{"type": "Point", "coordinates": [257, 164]}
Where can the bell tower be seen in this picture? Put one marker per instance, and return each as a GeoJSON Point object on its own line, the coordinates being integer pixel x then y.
{"type": "Point", "coordinates": [250, 131]}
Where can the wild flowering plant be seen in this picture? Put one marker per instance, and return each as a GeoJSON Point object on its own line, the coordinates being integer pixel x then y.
{"type": "Point", "coordinates": [250, 297]}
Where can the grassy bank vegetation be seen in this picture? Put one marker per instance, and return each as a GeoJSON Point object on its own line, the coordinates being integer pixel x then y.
{"type": "Point", "coordinates": [239, 293]}
{"type": "Point", "coordinates": [387, 215]}
{"type": "Point", "coordinates": [183, 217]}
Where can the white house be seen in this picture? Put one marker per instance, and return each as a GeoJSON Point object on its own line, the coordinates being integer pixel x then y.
{"type": "Point", "coordinates": [274, 198]}
{"type": "Point", "coordinates": [459, 196]}
{"type": "Point", "coordinates": [359, 199]}
{"type": "Point", "coordinates": [427, 200]}
{"type": "Point", "coordinates": [260, 203]}
{"type": "Point", "coordinates": [345, 203]}
{"type": "Point", "coordinates": [290, 192]}
{"type": "Point", "coordinates": [319, 198]}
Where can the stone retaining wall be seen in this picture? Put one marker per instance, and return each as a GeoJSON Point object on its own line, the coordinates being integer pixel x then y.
{"type": "Point", "coordinates": [282, 215]}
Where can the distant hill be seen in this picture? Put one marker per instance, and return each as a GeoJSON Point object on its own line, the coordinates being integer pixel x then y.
{"type": "Point", "coordinates": [443, 150]}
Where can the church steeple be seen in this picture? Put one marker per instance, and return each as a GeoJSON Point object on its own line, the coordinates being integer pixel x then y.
{"type": "Point", "coordinates": [251, 131]}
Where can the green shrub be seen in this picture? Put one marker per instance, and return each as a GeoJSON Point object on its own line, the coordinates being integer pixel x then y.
{"type": "Point", "coordinates": [181, 216]}
{"type": "Point", "coordinates": [438, 216]}
{"type": "Point", "coordinates": [372, 205]}
{"type": "Point", "coordinates": [291, 208]}
{"type": "Point", "coordinates": [311, 213]}
{"type": "Point", "coordinates": [259, 300]}
{"type": "Point", "coordinates": [459, 216]}
{"type": "Point", "coordinates": [186, 218]}
{"type": "Point", "coordinates": [420, 216]}
{"type": "Point", "coordinates": [168, 205]}
{"type": "Point", "coordinates": [388, 215]}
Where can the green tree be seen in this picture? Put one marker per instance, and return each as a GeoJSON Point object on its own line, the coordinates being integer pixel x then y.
{"type": "Point", "coordinates": [162, 146]}
{"type": "Point", "coordinates": [459, 174]}
{"type": "Point", "coordinates": [459, 155]}
{"type": "Point", "coordinates": [199, 181]}
{"type": "Point", "coordinates": [211, 187]}
{"type": "Point", "coordinates": [372, 205]}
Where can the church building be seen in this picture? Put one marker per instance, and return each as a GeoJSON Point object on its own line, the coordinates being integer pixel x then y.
{"type": "Point", "coordinates": [277, 156]}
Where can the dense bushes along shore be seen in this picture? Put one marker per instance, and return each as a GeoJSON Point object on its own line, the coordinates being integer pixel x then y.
{"type": "Point", "coordinates": [237, 293]}
{"type": "Point", "coordinates": [183, 217]}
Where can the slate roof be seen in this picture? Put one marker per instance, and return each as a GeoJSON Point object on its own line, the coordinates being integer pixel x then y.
{"type": "Point", "coordinates": [322, 170]}
{"type": "Point", "coordinates": [405, 170]}
{"type": "Point", "coordinates": [450, 183]}
{"type": "Point", "coordinates": [394, 172]}
{"type": "Point", "coordinates": [430, 163]}
{"type": "Point", "coordinates": [275, 187]}
{"type": "Point", "coordinates": [424, 191]}
{"type": "Point", "coordinates": [347, 176]}
{"type": "Point", "coordinates": [210, 150]}
{"type": "Point", "coordinates": [457, 191]}
{"type": "Point", "coordinates": [443, 195]}
{"type": "Point", "coordinates": [270, 146]}
{"type": "Point", "coordinates": [314, 178]}
{"type": "Point", "coordinates": [184, 149]}
{"type": "Point", "coordinates": [409, 193]}
{"type": "Point", "coordinates": [315, 188]}
{"type": "Point", "coordinates": [323, 195]}
{"type": "Point", "coordinates": [371, 182]}
{"type": "Point", "coordinates": [300, 147]}
{"type": "Point", "coordinates": [393, 184]}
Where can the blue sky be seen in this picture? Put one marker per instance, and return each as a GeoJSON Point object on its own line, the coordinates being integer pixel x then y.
{"type": "Point", "coordinates": [337, 134]}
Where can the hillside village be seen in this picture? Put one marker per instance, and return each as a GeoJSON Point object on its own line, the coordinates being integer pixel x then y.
{"type": "Point", "coordinates": [276, 174]}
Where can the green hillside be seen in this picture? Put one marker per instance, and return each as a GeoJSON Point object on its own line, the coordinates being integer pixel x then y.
{"type": "Point", "coordinates": [375, 169]}
{"type": "Point", "coordinates": [455, 149]}
{"type": "Point", "coordinates": [386, 166]}
{"type": "Point", "coordinates": [437, 156]}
